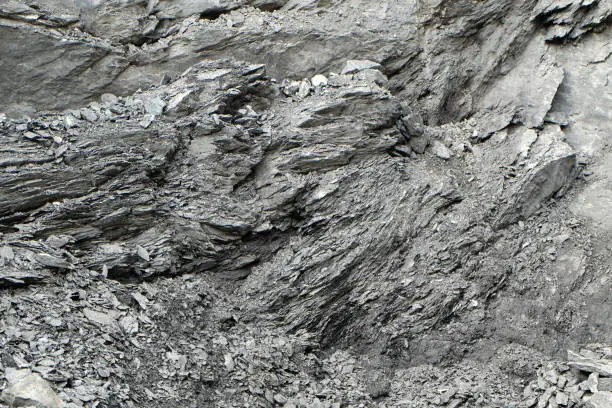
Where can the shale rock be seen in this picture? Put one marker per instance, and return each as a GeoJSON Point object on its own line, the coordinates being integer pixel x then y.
{"type": "Point", "coordinates": [306, 203]}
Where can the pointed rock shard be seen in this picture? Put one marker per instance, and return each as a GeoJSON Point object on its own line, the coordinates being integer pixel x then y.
{"type": "Point", "coordinates": [52, 261]}
{"type": "Point", "coordinates": [143, 253]}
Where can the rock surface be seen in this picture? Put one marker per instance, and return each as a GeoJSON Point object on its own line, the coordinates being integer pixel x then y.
{"type": "Point", "coordinates": [27, 389]}
{"type": "Point", "coordinates": [306, 203]}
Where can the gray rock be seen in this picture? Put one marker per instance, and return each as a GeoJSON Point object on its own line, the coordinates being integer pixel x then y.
{"type": "Point", "coordinates": [591, 383]}
{"type": "Point", "coordinates": [604, 384]}
{"type": "Point", "coordinates": [588, 364]}
{"type": "Point", "coordinates": [562, 398]}
{"type": "Point", "coordinates": [109, 99]}
{"type": "Point", "coordinates": [354, 66]}
{"type": "Point", "coordinates": [419, 144]}
{"type": "Point", "coordinates": [153, 105]}
{"type": "Point", "coordinates": [601, 399]}
{"type": "Point", "coordinates": [371, 75]}
{"type": "Point", "coordinates": [27, 389]}
{"type": "Point", "coordinates": [53, 74]}
{"type": "Point", "coordinates": [284, 234]}
{"type": "Point", "coordinates": [318, 80]}
{"type": "Point", "coordinates": [439, 149]}
{"type": "Point", "coordinates": [52, 261]}
{"type": "Point", "coordinates": [552, 173]}
{"type": "Point", "coordinates": [304, 89]}
{"type": "Point", "coordinates": [89, 115]}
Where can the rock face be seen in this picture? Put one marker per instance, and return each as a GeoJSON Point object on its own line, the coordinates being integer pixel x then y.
{"type": "Point", "coordinates": [305, 203]}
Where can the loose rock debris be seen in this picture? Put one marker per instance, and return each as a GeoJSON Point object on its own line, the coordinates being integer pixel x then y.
{"type": "Point", "coordinates": [305, 204]}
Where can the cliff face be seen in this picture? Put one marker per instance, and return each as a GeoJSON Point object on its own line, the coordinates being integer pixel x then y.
{"type": "Point", "coordinates": [304, 203]}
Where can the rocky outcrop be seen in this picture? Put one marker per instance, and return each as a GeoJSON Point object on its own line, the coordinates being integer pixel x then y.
{"type": "Point", "coordinates": [296, 204]}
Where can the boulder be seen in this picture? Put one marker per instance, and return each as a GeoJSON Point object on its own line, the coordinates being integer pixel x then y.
{"type": "Point", "coordinates": [27, 389]}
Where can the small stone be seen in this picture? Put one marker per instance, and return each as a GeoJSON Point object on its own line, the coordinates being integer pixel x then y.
{"type": "Point", "coordinates": [403, 150]}
{"type": "Point", "coordinates": [371, 75]}
{"type": "Point", "coordinates": [54, 321]}
{"type": "Point", "coordinates": [336, 80]}
{"type": "Point", "coordinates": [352, 66]}
{"type": "Point", "coordinates": [89, 115]}
{"type": "Point", "coordinates": [6, 254]}
{"type": "Point", "coordinates": [419, 144]}
{"type": "Point", "coordinates": [129, 324]}
{"type": "Point", "coordinates": [107, 319]}
{"type": "Point", "coordinates": [27, 389]}
{"type": "Point", "coordinates": [304, 89]}
{"type": "Point", "coordinates": [545, 397]}
{"type": "Point", "coordinates": [551, 376]}
{"type": "Point", "coordinates": [70, 121]}
{"type": "Point", "coordinates": [143, 253]}
{"type": "Point", "coordinates": [146, 121]}
{"type": "Point", "coordinates": [154, 105]}
{"type": "Point", "coordinates": [281, 399]}
{"type": "Point", "coordinates": [109, 99]}
{"type": "Point", "coordinates": [318, 80]}
{"type": "Point", "coordinates": [444, 153]}
{"type": "Point", "coordinates": [103, 372]}
{"type": "Point", "coordinates": [561, 381]}
{"type": "Point", "coordinates": [576, 396]}
{"type": "Point", "coordinates": [229, 362]}
{"type": "Point", "coordinates": [290, 88]}
{"type": "Point", "coordinates": [562, 398]}
{"type": "Point", "coordinates": [58, 241]}
{"type": "Point", "coordinates": [591, 383]}
{"type": "Point", "coordinates": [142, 301]}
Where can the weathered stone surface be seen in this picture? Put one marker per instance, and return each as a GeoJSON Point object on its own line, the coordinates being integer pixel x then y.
{"type": "Point", "coordinates": [43, 69]}
{"type": "Point", "coordinates": [355, 66]}
{"type": "Point", "coordinates": [27, 389]}
{"type": "Point", "coordinates": [557, 162]}
{"type": "Point", "coordinates": [601, 399]}
{"type": "Point", "coordinates": [427, 229]}
{"type": "Point", "coordinates": [589, 364]}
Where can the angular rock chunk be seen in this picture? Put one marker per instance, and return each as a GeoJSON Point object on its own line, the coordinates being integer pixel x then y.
{"type": "Point", "coordinates": [372, 75]}
{"type": "Point", "coordinates": [441, 151]}
{"type": "Point", "coordinates": [552, 173]}
{"type": "Point", "coordinates": [27, 389]}
{"type": "Point", "coordinates": [530, 88]}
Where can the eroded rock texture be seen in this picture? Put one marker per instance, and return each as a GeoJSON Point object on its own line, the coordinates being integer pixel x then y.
{"type": "Point", "coordinates": [305, 203]}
